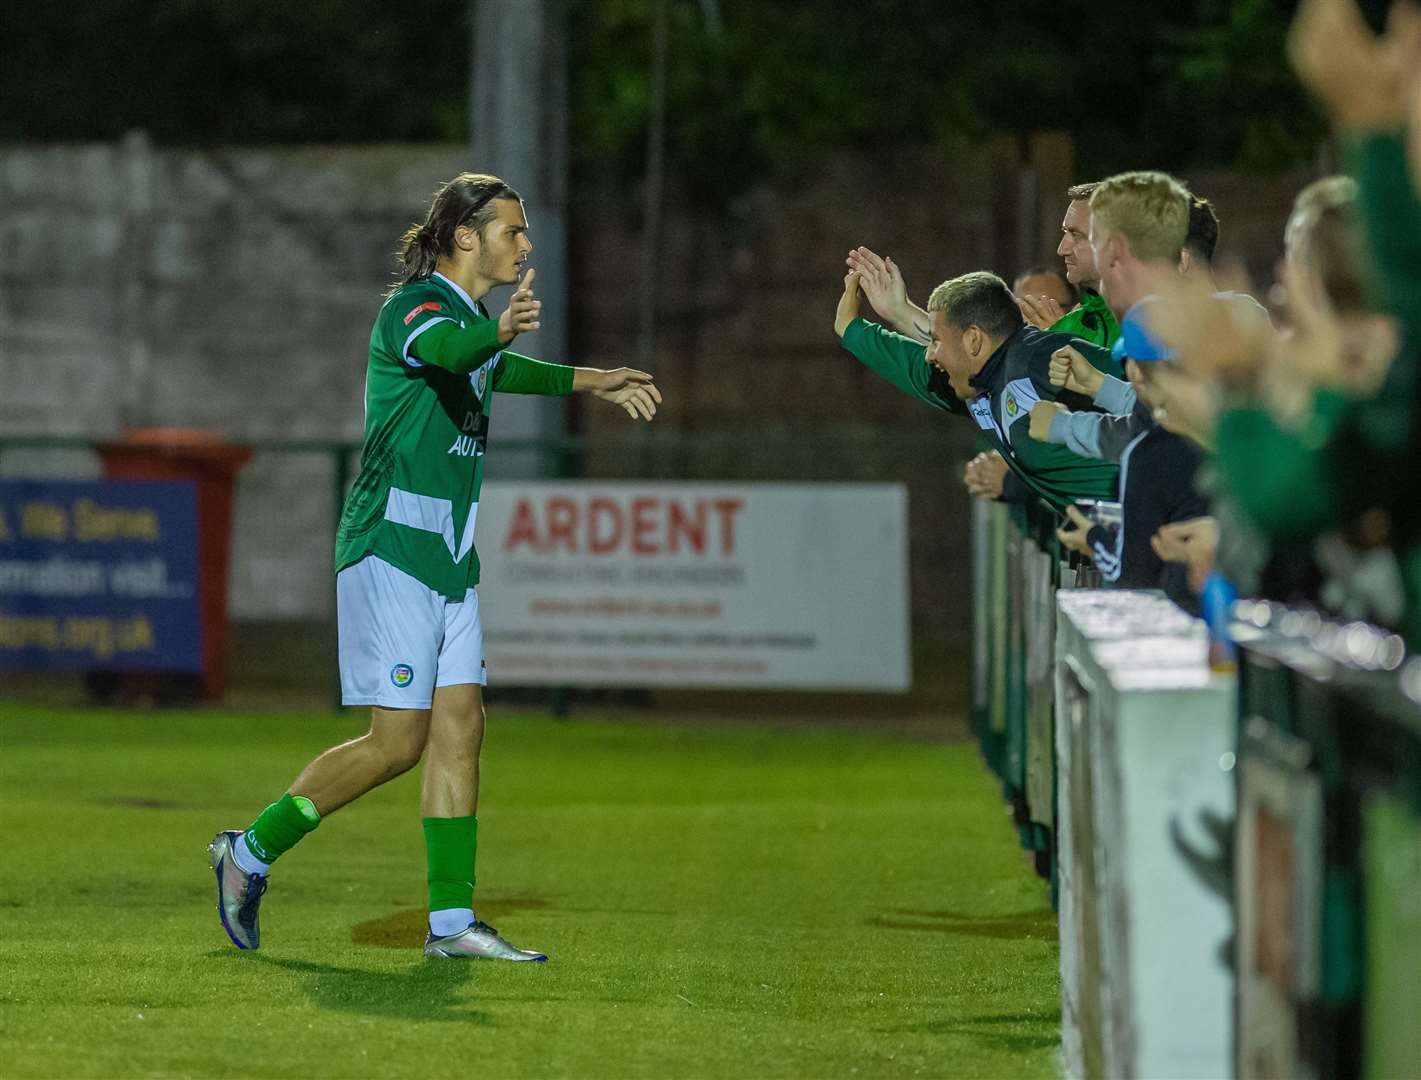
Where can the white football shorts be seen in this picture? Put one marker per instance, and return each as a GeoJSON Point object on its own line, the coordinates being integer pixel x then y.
{"type": "Point", "coordinates": [399, 639]}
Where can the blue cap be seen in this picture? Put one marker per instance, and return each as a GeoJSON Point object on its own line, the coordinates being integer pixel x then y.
{"type": "Point", "coordinates": [1137, 341]}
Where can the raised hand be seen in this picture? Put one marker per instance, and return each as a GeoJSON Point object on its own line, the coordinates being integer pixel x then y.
{"type": "Point", "coordinates": [882, 283]}
{"type": "Point", "coordinates": [1072, 371]}
{"type": "Point", "coordinates": [523, 312]}
{"type": "Point", "coordinates": [1042, 312]}
{"type": "Point", "coordinates": [1363, 80]}
{"type": "Point", "coordinates": [848, 309]}
{"type": "Point", "coordinates": [633, 390]}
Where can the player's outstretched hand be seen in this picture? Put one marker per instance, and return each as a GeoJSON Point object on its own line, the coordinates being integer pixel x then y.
{"type": "Point", "coordinates": [633, 390]}
{"type": "Point", "coordinates": [523, 312]}
{"type": "Point", "coordinates": [1072, 371]}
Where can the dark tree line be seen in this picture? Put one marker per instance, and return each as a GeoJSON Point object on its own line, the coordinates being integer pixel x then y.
{"type": "Point", "coordinates": [1197, 82]}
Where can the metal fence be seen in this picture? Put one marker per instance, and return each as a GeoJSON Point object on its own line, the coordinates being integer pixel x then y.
{"type": "Point", "coordinates": [1018, 564]}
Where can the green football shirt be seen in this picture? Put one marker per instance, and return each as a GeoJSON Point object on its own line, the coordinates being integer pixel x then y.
{"type": "Point", "coordinates": [1091, 320]}
{"type": "Point", "coordinates": [435, 361]}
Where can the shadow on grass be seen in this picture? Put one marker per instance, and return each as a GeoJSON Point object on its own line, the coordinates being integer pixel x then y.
{"type": "Point", "coordinates": [1025, 924]}
{"type": "Point", "coordinates": [406, 929]}
{"type": "Point", "coordinates": [986, 1030]}
{"type": "Point", "coordinates": [426, 990]}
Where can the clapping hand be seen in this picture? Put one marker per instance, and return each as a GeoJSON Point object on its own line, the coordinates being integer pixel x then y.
{"type": "Point", "coordinates": [883, 283]}
{"type": "Point", "coordinates": [884, 286]}
{"type": "Point", "coordinates": [1042, 312]}
{"type": "Point", "coordinates": [848, 309]}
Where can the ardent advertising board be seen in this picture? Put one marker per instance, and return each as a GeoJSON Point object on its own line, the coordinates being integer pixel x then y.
{"type": "Point", "coordinates": [785, 586]}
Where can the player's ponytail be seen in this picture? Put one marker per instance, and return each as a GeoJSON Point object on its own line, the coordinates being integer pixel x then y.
{"type": "Point", "coordinates": [419, 253]}
{"type": "Point", "coordinates": [467, 200]}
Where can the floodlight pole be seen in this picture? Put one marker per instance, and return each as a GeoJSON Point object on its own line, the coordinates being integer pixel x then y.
{"type": "Point", "coordinates": [518, 131]}
{"type": "Point", "coordinates": [652, 195]}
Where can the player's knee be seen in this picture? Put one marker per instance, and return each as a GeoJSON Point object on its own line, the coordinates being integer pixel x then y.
{"type": "Point", "coordinates": [400, 750]}
{"type": "Point", "coordinates": [459, 739]}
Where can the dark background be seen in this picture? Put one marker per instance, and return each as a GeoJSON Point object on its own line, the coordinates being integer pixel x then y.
{"type": "Point", "coordinates": [757, 90]}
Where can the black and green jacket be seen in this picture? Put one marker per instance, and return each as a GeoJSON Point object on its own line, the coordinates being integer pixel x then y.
{"type": "Point", "coordinates": [1012, 380]}
{"type": "Point", "coordinates": [1091, 320]}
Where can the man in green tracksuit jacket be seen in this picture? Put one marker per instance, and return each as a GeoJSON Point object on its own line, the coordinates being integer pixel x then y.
{"type": "Point", "coordinates": [985, 362]}
{"type": "Point", "coordinates": [1091, 319]}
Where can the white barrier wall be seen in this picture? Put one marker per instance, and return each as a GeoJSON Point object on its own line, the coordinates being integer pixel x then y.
{"type": "Point", "coordinates": [1145, 738]}
{"type": "Point", "coordinates": [784, 586]}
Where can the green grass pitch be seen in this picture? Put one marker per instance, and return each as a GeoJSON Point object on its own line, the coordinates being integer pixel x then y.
{"type": "Point", "coordinates": [719, 900]}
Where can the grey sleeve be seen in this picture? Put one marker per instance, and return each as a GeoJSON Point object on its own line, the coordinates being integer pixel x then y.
{"type": "Point", "coordinates": [1077, 431]}
{"type": "Point", "coordinates": [1115, 396]}
{"type": "Point", "coordinates": [1095, 435]}
{"type": "Point", "coordinates": [1115, 432]}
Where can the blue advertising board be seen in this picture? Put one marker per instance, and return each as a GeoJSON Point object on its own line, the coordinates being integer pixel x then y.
{"type": "Point", "coordinates": [99, 575]}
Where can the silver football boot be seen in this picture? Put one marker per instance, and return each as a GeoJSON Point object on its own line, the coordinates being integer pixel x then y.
{"type": "Point", "coordinates": [481, 940]}
{"type": "Point", "coordinates": [239, 894]}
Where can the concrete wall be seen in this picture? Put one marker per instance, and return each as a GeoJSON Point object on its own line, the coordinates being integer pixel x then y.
{"type": "Point", "coordinates": [231, 291]}
{"type": "Point", "coordinates": [234, 291]}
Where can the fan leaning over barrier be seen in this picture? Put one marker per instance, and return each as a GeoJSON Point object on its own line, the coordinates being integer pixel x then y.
{"type": "Point", "coordinates": [986, 362]}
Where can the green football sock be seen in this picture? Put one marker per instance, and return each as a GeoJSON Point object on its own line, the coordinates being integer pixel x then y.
{"type": "Point", "coordinates": [278, 827]}
{"type": "Point", "coordinates": [452, 844]}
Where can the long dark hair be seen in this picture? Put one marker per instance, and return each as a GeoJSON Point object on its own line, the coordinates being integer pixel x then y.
{"type": "Point", "coordinates": [466, 200]}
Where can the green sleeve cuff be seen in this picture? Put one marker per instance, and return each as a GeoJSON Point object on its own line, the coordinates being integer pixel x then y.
{"type": "Point", "coordinates": [458, 349]}
{"type": "Point", "coordinates": [518, 374]}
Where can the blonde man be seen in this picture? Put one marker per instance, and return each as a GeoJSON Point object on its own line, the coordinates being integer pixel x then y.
{"type": "Point", "coordinates": [1138, 225]}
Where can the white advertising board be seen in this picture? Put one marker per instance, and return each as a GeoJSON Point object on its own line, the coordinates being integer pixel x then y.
{"type": "Point", "coordinates": [695, 585]}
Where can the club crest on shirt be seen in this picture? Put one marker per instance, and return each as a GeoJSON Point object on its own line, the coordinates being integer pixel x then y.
{"type": "Point", "coordinates": [402, 675]}
{"type": "Point", "coordinates": [1012, 407]}
{"type": "Point", "coordinates": [479, 379]}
